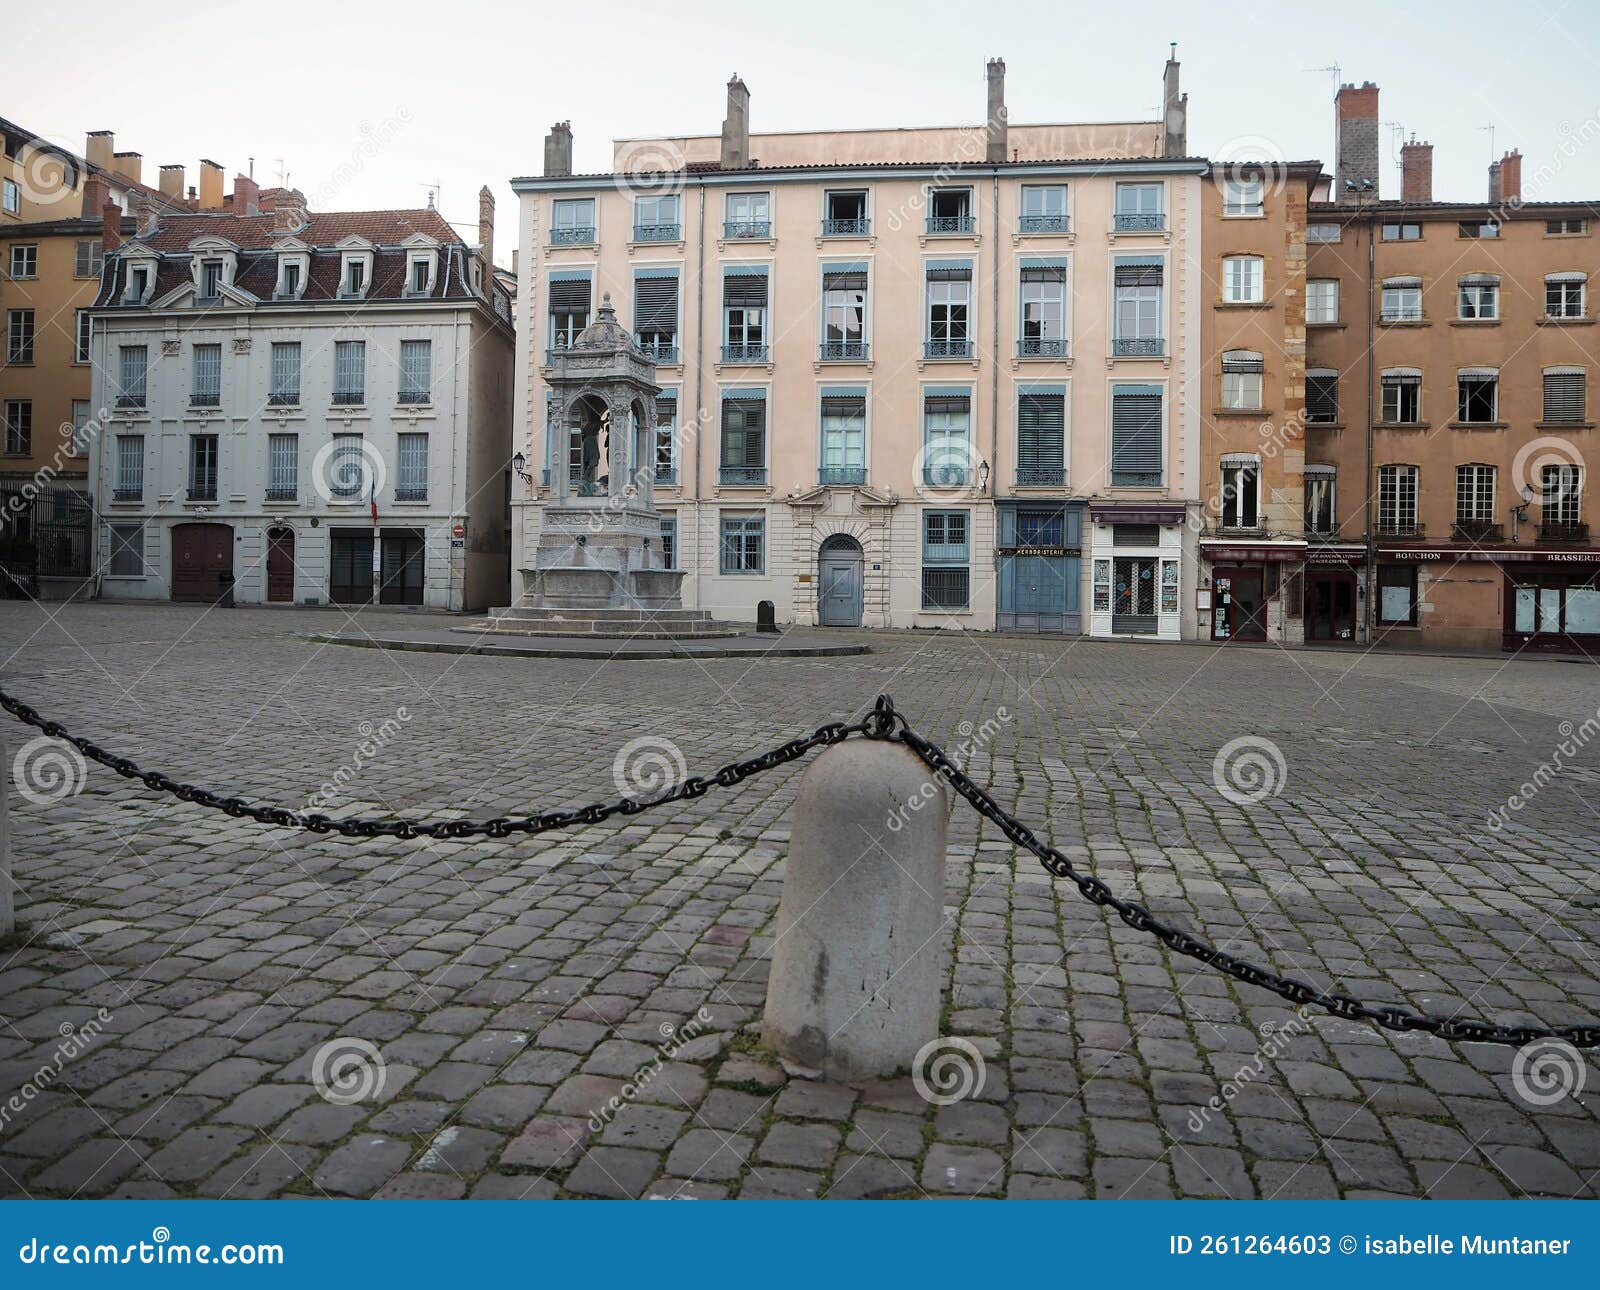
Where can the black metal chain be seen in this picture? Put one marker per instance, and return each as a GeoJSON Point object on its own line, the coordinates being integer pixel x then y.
{"type": "Point", "coordinates": [885, 723]}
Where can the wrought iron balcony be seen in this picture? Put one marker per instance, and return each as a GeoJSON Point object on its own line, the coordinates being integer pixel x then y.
{"type": "Point", "coordinates": [657, 232]}
{"type": "Point", "coordinates": [842, 475]}
{"type": "Point", "coordinates": [947, 349]}
{"type": "Point", "coordinates": [411, 493]}
{"type": "Point", "coordinates": [1400, 315]}
{"type": "Point", "coordinates": [659, 349]}
{"type": "Point", "coordinates": [349, 398]}
{"type": "Point", "coordinates": [1477, 531]}
{"type": "Point", "coordinates": [747, 229]}
{"type": "Point", "coordinates": [666, 474]}
{"type": "Point", "coordinates": [744, 353]}
{"type": "Point", "coordinates": [1041, 476]}
{"type": "Point", "coordinates": [1042, 224]}
{"type": "Point", "coordinates": [742, 475]}
{"type": "Point", "coordinates": [582, 235]}
{"type": "Point", "coordinates": [1041, 347]}
{"type": "Point", "coordinates": [1135, 478]}
{"type": "Point", "coordinates": [950, 224]}
{"type": "Point", "coordinates": [281, 493]}
{"type": "Point", "coordinates": [205, 400]}
{"type": "Point", "coordinates": [1138, 347]}
{"type": "Point", "coordinates": [1138, 222]}
{"type": "Point", "coordinates": [284, 399]}
{"type": "Point", "coordinates": [946, 475]}
{"type": "Point", "coordinates": [203, 492]}
{"type": "Point", "coordinates": [1563, 533]}
{"type": "Point", "coordinates": [844, 351]}
{"type": "Point", "coordinates": [127, 494]}
{"type": "Point", "coordinates": [414, 396]}
{"type": "Point", "coordinates": [130, 400]}
{"type": "Point", "coordinates": [1399, 528]}
{"type": "Point", "coordinates": [846, 227]}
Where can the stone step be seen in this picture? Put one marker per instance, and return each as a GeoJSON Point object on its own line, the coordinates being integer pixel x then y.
{"type": "Point", "coordinates": [525, 613]}
{"type": "Point", "coordinates": [610, 630]}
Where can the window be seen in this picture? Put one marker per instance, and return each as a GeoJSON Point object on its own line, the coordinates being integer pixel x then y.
{"type": "Point", "coordinates": [1560, 496]}
{"type": "Point", "coordinates": [1474, 494]}
{"type": "Point", "coordinates": [844, 436]}
{"type": "Point", "coordinates": [669, 541]}
{"type": "Point", "coordinates": [569, 307]}
{"type": "Point", "coordinates": [350, 372]}
{"type": "Point", "coordinates": [1243, 197]}
{"type": "Point", "coordinates": [1565, 395]}
{"type": "Point", "coordinates": [1478, 298]}
{"type": "Point", "coordinates": [667, 439]}
{"type": "Point", "coordinates": [24, 261]}
{"type": "Point", "coordinates": [950, 210]}
{"type": "Point", "coordinates": [655, 313]}
{"type": "Point", "coordinates": [1565, 227]}
{"type": "Point", "coordinates": [1322, 396]}
{"type": "Point", "coordinates": [1563, 295]}
{"type": "Point", "coordinates": [744, 315]}
{"type": "Point", "coordinates": [1402, 232]}
{"type": "Point", "coordinates": [1397, 595]}
{"type": "Point", "coordinates": [1322, 301]}
{"type": "Point", "coordinates": [1102, 586]}
{"type": "Point", "coordinates": [140, 278]}
{"type": "Point", "coordinates": [1041, 436]}
{"type": "Point", "coordinates": [130, 468]}
{"type": "Point", "coordinates": [1137, 283]}
{"type": "Point", "coordinates": [1136, 436]}
{"type": "Point", "coordinates": [655, 219]}
{"type": "Point", "coordinates": [127, 551]}
{"type": "Point", "coordinates": [290, 278]}
{"type": "Point", "coordinates": [202, 468]}
{"type": "Point", "coordinates": [1241, 491]}
{"type": "Point", "coordinates": [1138, 208]}
{"type": "Point", "coordinates": [210, 279]}
{"type": "Point", "coordinates": [347, 476]}
{"type": "Point", "coordinates": [1044, 208]}
{"type": "Point", "coordinates": [844, 312]}
{"type": "Point", "coordinates": [283, 467]}
{"type": "Point", "coordinates": [1241, 379]}
{"type": "Point", "coordinates": [1320, 482]}
{"type": "Point", "coordinates": [10, 197]}
{"type": "Point", "coordinates": [1323, 233]}
{"type": "Point", "coordinates": [743, 543]}
{"type": "Point", "coordinates": [749, 215]}
{"type": "Point", "coordinates": [949, 304]}
{"type": "Point", "coordinates": [284, 390]}
{"type": "Point", "coordinates": [82, 431]}
{"type": "Point", "coordinates": [19, 427]}
{"type": "Point", "coordinates": [206, 390]}
{"type": "Point", "coordinates": [744, 437]}
{"type": "Point", "coordinates": [1397, 499]}
{"type": "Point", "coordinates": [19, 336]}
{"type": "Point", "coordinates": [1477, 395]}
{"type": "Point", "coordinates": [1044, 309]}
{"type": "Point", "coordinates": [411, 484]}
{"type": "Point", "coordinates": [133, 362]}
{"type": "Point", "coordinates": [1478, 228]}
{"type": "Point", "coordinates": [355, 276]}
{"type": "Point", "coordinates": [845, 213]}
{"type": "Point", "coordinates": [1402, 300]}
{"type": "Point", "coordinates": [1401, 396]}
{"type": "Point", "coordinates": [946, 431]}
{"type": "Point", "coordinates": [80, 345]}
{"type": "Point", "coordinates": [416, 374]}
{"type": "Point", "coordinates": [87, 257]}
{"type": "Point", "coordinates": [573, 222]}
{"type": "Point", "coordinates": [946, 574]}
{"type": "Point", "coordinates": [1242, 279]}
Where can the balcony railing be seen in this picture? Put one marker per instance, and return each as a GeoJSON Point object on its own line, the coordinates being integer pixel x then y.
{"type": "Point", "coordinates": [666, 474]}
{"type": "Point", "coordinates": [281, 493]}
{"type": "Point", "coordinates": [130, 400]}
{"type": "Point", "coordinates": [657, 232]}
{"type": "Point", "coordinates": [203, 492]}
{"type": "Point", "coordinates": [1138, 347]}
{"type": "Point", "coordinates": [744, 353]}
{"type": "Point", "coordinates": [1400, 315]}
{"type": "Point", "coordinates": [1138, 222]}
{"type": "Point", "coordinates": [1563, 533]}
{"type": "Point", "coordinates": [582, 235]}
{"type": "Point", "coordinates": [1477, 531]}
{"type": "Point", "coordinates": [742, 475]}
{"type": "Point", "coordinates": [947, 349]}
{"type": "Point", "coordinates": [1042, 224]}
{"type": "Point", "coordinates": [747, 229]}
{"type": "Point", "coordinates": [950, 224]}
{"type": "Point", "coordinates": [662, 349]}
{"type": "Point", "coordinates": [1399, 528]}
{"type": "Point", "coordinates": [411, 493]}
{"type": "Point", "coordinates": [953, 475]}
{"type": "Point", "coordinates": [130, 494]}
{"type": "Point", "coordinates": [846, 227]}
{"type": "Point", "coordinates": [349, 398]}
{"type": "Point", "coordinates": [284, 399]}
{"type": "Point", "coordinates": [1041, 347]}
{"type": "Point", "coordinates": [205, 400]}
{"type": "Point", "coordinates": [1135, 478]}
{"type": "Point", "coordinates": [844, 351]}
{"type": "Point", "coordinates": [1041, 476]}
{"type": "Point", "coordinates": [842, 475]}
{"type": "Point", "coordinates": [414, 396]}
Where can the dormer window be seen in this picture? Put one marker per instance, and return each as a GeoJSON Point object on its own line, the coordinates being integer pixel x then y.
{"type": "Point", "coordinates": [289, 279]}
{"type": "Point", "coordinates": [210, 279]}
{"type": "Point", "coordinates": [419, 274]}
{"type": "Point", "coordinates": [355, 274]}
{"type": "Point", "coordinates": [140, 277]}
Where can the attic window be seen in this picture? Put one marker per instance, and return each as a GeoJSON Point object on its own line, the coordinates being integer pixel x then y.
{"type": "Point", "coordinates": [288, 279]}
{"type": "Point", "coordinates": [210, 279]}
{"type": "Point", "coordinates": [353, 284]}
{"type": "Point", "coordinates": [139, 277]}
{"type": "Point", "coordinates": [419, 275]}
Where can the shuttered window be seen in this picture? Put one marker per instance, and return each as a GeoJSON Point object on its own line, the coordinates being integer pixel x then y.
{"type": "Point", "coordinates": [744, 315]}
{"type": "Point", "coordinates": [207, 389]}
{"type": "Point", "coordinates": [947, 450]}
{"type": "Point", "coordinates": [655, 308]}
{"type": "Point", "coordinates": [666, 439]}
{"type": "Point", "coordinates": [844, 438]}
{"type": "Point", "coordinates": [416, 370]}
{"type": "Point", "coordinates": [1322, 397]}
{"type": "Point", "coordinates": [744, 438]}
{"type": "Point", "coordinates": [285, 390]}
{"type": "Point", "coordinates": [1041, 438]}
{"type": "Point", "coordinates": [1564, 395]}
{"type": "Point", "coordinates": [745, 290]}
{"type": "Point", "coordinates": [569, 307]}
{"type": "Point", "coordinates": [1136, 436]}
{"type": "Point", "coordinates": [130, 467]}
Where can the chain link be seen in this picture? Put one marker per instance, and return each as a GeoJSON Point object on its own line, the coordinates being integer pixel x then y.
{"type": "Point", "coordinates": [883, 722]}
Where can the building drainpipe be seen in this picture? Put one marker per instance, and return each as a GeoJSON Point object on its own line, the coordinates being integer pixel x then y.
{"type": "Point", "coordinates": [1369, 613]}
{"type": "Point", "coordinates": [994, 379]}
{"type": "Point", "coordinates": [699, 366]}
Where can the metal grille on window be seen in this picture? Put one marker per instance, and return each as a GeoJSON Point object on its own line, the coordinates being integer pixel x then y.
{"type": "Point", "coordinates": [130, 467]}
{"type": "Point", "coordinates": [207, 376]}
{"type": "Point", "coordinates": [1041, 439]}
{"type": "Point", "coordinates": [1136, 436]}
{"type": "Point", "coordinates": [285, 390]}
{"type": "Point", "coordinates": [349, 371]}
{"type": "Point", "coordinates": [133, 364]}
{"type": "Point", "coordinates": [946, 575]}
{"type": "Point", "coordinates": [742, 541]}
{"type": "Point", "coordinates": [1564, 396]}
{"type": "Point", "coordinates": [283, 467]}
{"type": "Point", "coordinates": [348, 476]}
{"type": "Point", "coordinates": [416, 376]}
{"type": "Point", "coordinates": [412, 484]}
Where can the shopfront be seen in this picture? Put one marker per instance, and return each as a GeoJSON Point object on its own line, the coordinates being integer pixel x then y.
{"type": "Point", "coordinates": [1252, 593]}
{"type": "Point", "coordinates": [1136, 554]}
{"type": "Point", "coordinates": [1333, 593]}
{"type": "Point", "coordinates": [1038, 561]}
{"type": "Point", "coordinates": [1553, 603]}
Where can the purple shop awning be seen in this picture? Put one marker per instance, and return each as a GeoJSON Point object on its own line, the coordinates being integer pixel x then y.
{"type": "Point", "coordinates": [1136, 513]}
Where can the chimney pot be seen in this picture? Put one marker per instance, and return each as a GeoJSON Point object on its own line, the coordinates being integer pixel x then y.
{"type": "Point", "coordinates": [130, 165]}
{"type": "Point", "coordinates": [210, 185]}
{"type": "Point", "coordinates": [98, 148]}
{"type": "Point", "coordinates": [1510, 179]}
{"type": "Point", "coordinates": [172, 182]}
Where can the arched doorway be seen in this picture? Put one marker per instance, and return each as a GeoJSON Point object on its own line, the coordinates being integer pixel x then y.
{"type": "Point", "coordinates": [280, 565]}
{"type": "Point", "coordinates": [201, 555]}
{"type": "Point", "coordinates": [839, 590]}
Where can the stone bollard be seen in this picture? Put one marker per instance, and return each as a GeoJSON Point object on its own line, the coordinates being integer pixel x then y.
{"type": "Point", "coordinates": [856, 966]}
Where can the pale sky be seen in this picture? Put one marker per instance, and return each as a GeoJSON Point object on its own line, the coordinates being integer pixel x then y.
{"type": "Point", "coordinates": [367, 104]}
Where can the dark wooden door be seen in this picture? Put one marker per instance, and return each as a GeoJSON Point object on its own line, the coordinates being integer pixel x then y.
{"type": "Point", "coordinates": [201, 554]}
{"type": "Point", "coordinates": [280, 565]}
{"type": "Point", "coordinates": [403, 568]}
{"type": "Point", "coordinates": [350, 572]}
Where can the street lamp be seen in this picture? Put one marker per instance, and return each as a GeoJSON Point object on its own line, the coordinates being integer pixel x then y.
{"type": "Point", "coordinates": [519, 463]}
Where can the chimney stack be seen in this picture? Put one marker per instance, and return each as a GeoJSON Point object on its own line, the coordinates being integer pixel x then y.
{"type": "Point", "coordinates": [130, 165]}
{"type": "Point", "coordinates": [246, 196]}
{"type": "Point", "coordinates": [97, 149]}
{"type": "Point", "coordinates": [110, 226]}
{"type": "Point", "coordinates": [1356, 147]}
{"type": "Point", "coordinates": [994, 151]}
{"type": "Point", "coordinates": [1416, 171]}
{"type": "Point", "coordinates": [1505, 180]}
{"type": "Point", "coordinates": [95, 196]}
{"type": "Point", "coordinates": [288, 212]}
{"type": "Point", "coordinates": [172, 182]}
{"type": "Point", "coordinates": [146, 215]}
{"type": "Point", "coordinates": [210, 185]}
{"type": "Point", "coordinates": [1174, 111]}
{"type": "Point", "coordinates": [736, 127]}
{"type": "Point", "coordinates": [486, 235]}
{"type": "Point", "coordinates": [558, 149]}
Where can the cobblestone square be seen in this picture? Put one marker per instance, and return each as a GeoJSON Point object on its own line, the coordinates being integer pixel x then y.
{"type": "Point", "coordinates": [202, 1006]}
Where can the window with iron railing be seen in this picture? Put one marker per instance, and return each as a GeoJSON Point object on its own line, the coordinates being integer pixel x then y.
{"type": "Point", "coordinates": [284, 387]}
{"type": "Point", "coordinates": [1139, 208]}
{"type": "Point", "coordinates": [416, 371]}
{"type": "Point", "coordinates": [572, 222]}
{"type": "Point", "coordinates": [1044, 209]}
{"type": "Point", "coordinates": [129, 486]}
{"type": "Point", "coordinates": [844, 439]}
{"type": "Point", "coordinates": [203, 455]}
{"type": "Point", "coordinates": [950, 211]}
{"type": "Point", "coordinates": [846, 214]}
{"type": "Point", "coordinates": [748, 216]}
{"type": "Point", "coordinates": [133, 363]}
{"type": "Point", "coordinates": [411, 477]}
{"type": "Point", "coordinates": [350, 372]}
{"type": "Point", "coordinates": [655, 219]}
{"type": "Point", "coordinates": [283, 467]}
{"type": "Point", "coordinates": [206, 392]}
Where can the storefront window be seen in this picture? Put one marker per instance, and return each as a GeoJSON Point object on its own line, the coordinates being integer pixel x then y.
{"type": "Point", "coordinates": [1397, 595]}
{"type": "Point", "coordinates": [1169, 586]}
{"type": "Point", "coordinates": [1102, 586]}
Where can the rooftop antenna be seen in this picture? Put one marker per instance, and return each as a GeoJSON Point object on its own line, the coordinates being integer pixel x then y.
{"type": "Point", "coordinates": [1489, 129]}
{"type": "Point", "coordinates": [283, 173]}
{"type": "Point", "coordinates": [252, 171]}
{"type": "Point", "coordinates": [1333, 69]}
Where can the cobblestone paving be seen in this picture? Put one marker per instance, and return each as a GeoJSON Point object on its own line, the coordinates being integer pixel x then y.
{"type": "Point", "coordinates": [512, 990]}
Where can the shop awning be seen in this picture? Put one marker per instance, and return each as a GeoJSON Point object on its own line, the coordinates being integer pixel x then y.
{"type": "Point", "coordinates": [1135, 513]}
{"type": "Point", "coordinates": [1253, 552]}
